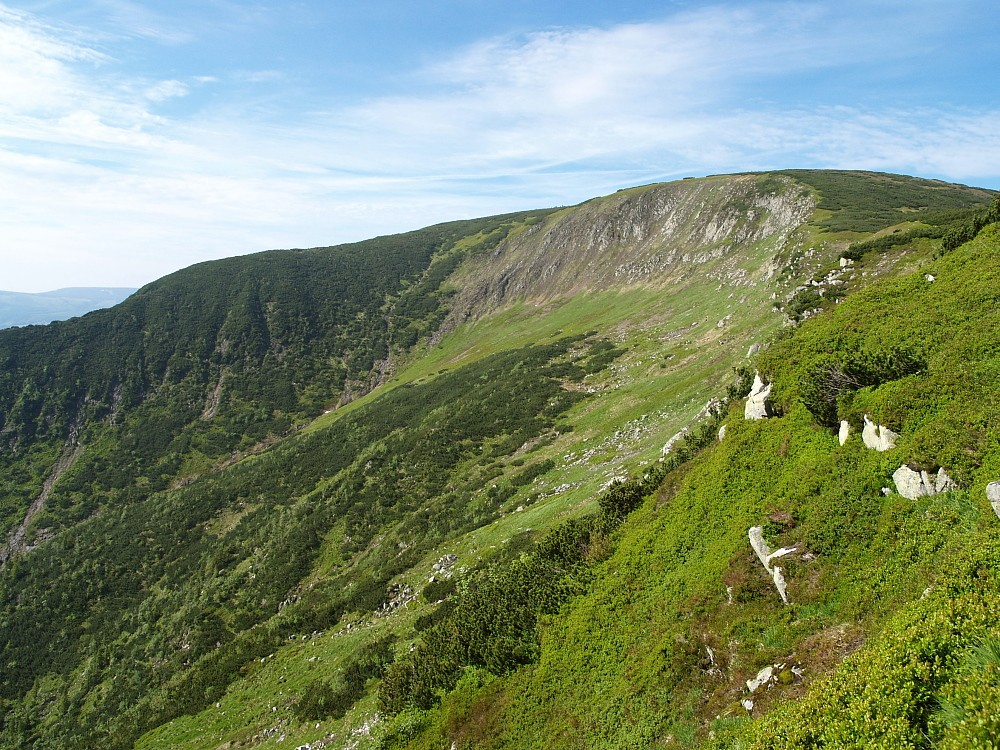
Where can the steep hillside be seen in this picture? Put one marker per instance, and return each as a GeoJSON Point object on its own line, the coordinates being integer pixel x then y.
{"type": "Point", "coordinates": [225, 499]}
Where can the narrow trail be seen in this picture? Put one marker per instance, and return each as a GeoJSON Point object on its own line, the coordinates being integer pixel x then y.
{"type": "Point", "coordinates": [15, 541]}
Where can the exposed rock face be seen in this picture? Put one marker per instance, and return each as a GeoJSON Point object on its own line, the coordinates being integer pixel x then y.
{"type": "Point", "coordinates": [765, 555]}
{"type": "Point", "coordinates": [993, 495]}
{"type": "Point", "coordinates": [913, 484]}
{"type": "Point", "coordinates": [758, 405]}
{"type": "Point", "coordinates": [648, 236]}
{"type": "Point", "coordinates": [878, 437]}
{"type": "Point", "coordinates": [845, 431]}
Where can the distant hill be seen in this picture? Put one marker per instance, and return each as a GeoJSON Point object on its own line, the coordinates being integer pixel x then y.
{"type": "Point", "coordinates": [22, 309]}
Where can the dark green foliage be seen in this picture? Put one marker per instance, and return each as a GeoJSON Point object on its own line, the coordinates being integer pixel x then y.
{"type": "Point", "coordinates": [322, 700]}
{"type": "Point", "coordinates": [620, 500]}
{"type": "Point", "coordinates": [968, 230]}
{"type": "Point", "coordinates": [438, 590]}
{"type": "Point", "coordinates": [834, 377]}
{"type": "Point", "coordinates": [149, 568]}
{"type": "Point", "coordinates": [319, 701]}
{"type": "Point", "coordinates": [869, 201]}
{"type": "Point", "coordinates": [492, 626]}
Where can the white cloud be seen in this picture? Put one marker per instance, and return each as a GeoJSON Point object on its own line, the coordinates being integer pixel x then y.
{"type": "Point", "coordinates": [98, 171]}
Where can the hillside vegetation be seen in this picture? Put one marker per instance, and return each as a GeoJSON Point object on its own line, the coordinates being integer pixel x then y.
{"type": "Point", "coordinates": [463, 487]}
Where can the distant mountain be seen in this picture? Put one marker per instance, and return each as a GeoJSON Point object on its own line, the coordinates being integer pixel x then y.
{"type": "Point", "coordinates": [22, 309]}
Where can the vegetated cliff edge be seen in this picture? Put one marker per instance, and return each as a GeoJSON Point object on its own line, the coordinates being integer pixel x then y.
{"type": "Point", "coordinates": [657, 236]}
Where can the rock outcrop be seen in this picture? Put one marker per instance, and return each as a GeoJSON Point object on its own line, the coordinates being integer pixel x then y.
{"type": "Point", "coordinates": [993, 495]}
{"type": "Point", "coordinates": [758, 404]}
{"type": "Point", "coordinates": [878, 437]}
{"type": "Point", "coordinates": [914, 484]}
{"type": "Point", "coordinates": [765, 555]}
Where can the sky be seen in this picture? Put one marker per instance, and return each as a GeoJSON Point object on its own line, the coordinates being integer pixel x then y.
{"type": "Point", "coordinates": [140, 137]}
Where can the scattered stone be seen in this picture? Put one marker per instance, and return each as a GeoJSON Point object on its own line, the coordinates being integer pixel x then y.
{"type": "Point", "coordinates": [765, 555]}
{"type": "Point", "coordinates": [747, 704]}
{"type": "Point", "coordinates": [722, 433]}
{"type": "Point", "coordinates": [669, 445]}
{"type": "Point", "coordinates": [845, 262]}
{"type": "Point", "coordinates": [928, 278]}
{"type": "Point", "coordinates": [878, 437]}
{"type": "Point", "coordinates": [845, 431]}
{"type": "Point", "coordinates": [758, 405]}
{"type": "Point", "coordinates": [914, 484]}
{"type": "Point", "coordinates": [763, 677]}
{"type": "Point", "coordinates": [993, 495]}
{"type": "Point", "coordinates": [754, 348]}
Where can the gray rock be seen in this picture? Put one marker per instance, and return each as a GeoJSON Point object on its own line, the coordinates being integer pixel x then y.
{"type": "Point", "coordinates": [758, 405]}
{"type": "Point", "coordinates": [754, 348]}
{"type": "Point", "coordinates": [878, 437]}
{"type": "Point", "coordinates": [845, 431]}
{"type": "Point", "coordinates": [909, 483]}
{"type": "Point", "coordinates": [944, 483]}
{"type": "Point", "coordinates": [993, 495]}
{"type": "Point", "coordinates": [912, 484]}
{"type": "Point", "coordinates": [722, 433]}
{"type": "Point", "coordinates": [765, 555]}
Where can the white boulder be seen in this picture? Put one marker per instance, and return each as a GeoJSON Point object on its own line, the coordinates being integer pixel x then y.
{"type": "Point", "coordinates": [758, 405]}
{"type": "Point", "coordinates": [765, 555]}
{"type": "Point", "coordinates": [993, 495]}
{"type": "Point", "coordinates": [845, 431]}
{"type": "Point", "coordinates": [878, 437]}
{"type": "Point", "coordinates": [913, 484]}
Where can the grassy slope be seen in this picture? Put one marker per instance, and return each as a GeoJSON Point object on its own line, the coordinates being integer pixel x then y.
{"type": "Point", "coordinates": [627, 664]}
{"type": "Point", "coordinates": [667, 373]}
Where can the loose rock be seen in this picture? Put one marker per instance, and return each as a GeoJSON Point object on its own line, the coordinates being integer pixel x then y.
{"type": "Point", "coordinates": [878, 437]}
{"type": "Point", "coordinates": [758, 404]}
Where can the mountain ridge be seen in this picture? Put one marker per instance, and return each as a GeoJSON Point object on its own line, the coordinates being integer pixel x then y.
{"type": "Point", "coordinates": [295, 455]}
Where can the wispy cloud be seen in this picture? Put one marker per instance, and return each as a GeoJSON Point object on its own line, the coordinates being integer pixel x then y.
{"type": "Point", "coordinates": [113, 184]}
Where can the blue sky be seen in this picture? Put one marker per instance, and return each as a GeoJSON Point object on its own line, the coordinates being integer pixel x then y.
{"type": "Point", "coordinates": [137, 138]}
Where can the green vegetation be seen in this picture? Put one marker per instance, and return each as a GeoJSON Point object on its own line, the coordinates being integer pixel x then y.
{"type": "Point", "coordinates": [858, 205]}
{"type": "Point", "coordinates": [375, 497]}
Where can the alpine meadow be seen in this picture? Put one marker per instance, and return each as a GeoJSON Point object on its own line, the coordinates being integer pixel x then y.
{"type": "Point", "coordinates": [712, 463]}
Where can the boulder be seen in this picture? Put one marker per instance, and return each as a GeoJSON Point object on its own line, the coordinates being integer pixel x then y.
{"type": "Point", "coordinates": [758, 405]}
{"type": "Point", "coordinates": [878, 437]}
{"type": "Point", "coordinates": [944, 483]}
{"type": "Point", "coordinates": [909, 483]}
{"type": "Point", "coordinates": [669, 445]}
{"type": "Point", "coordinates": [765, 555]}
{"type": "Point", "coordinates": [754, 348]}
{"type": "Point", "coordinates": [993, 495]}
{"type": "Point", "coordinates": [845, 431]}
{"type": "Point", "coordinates": [913, 484]}
{"type": "Point", "coordinates": [722, 433]}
